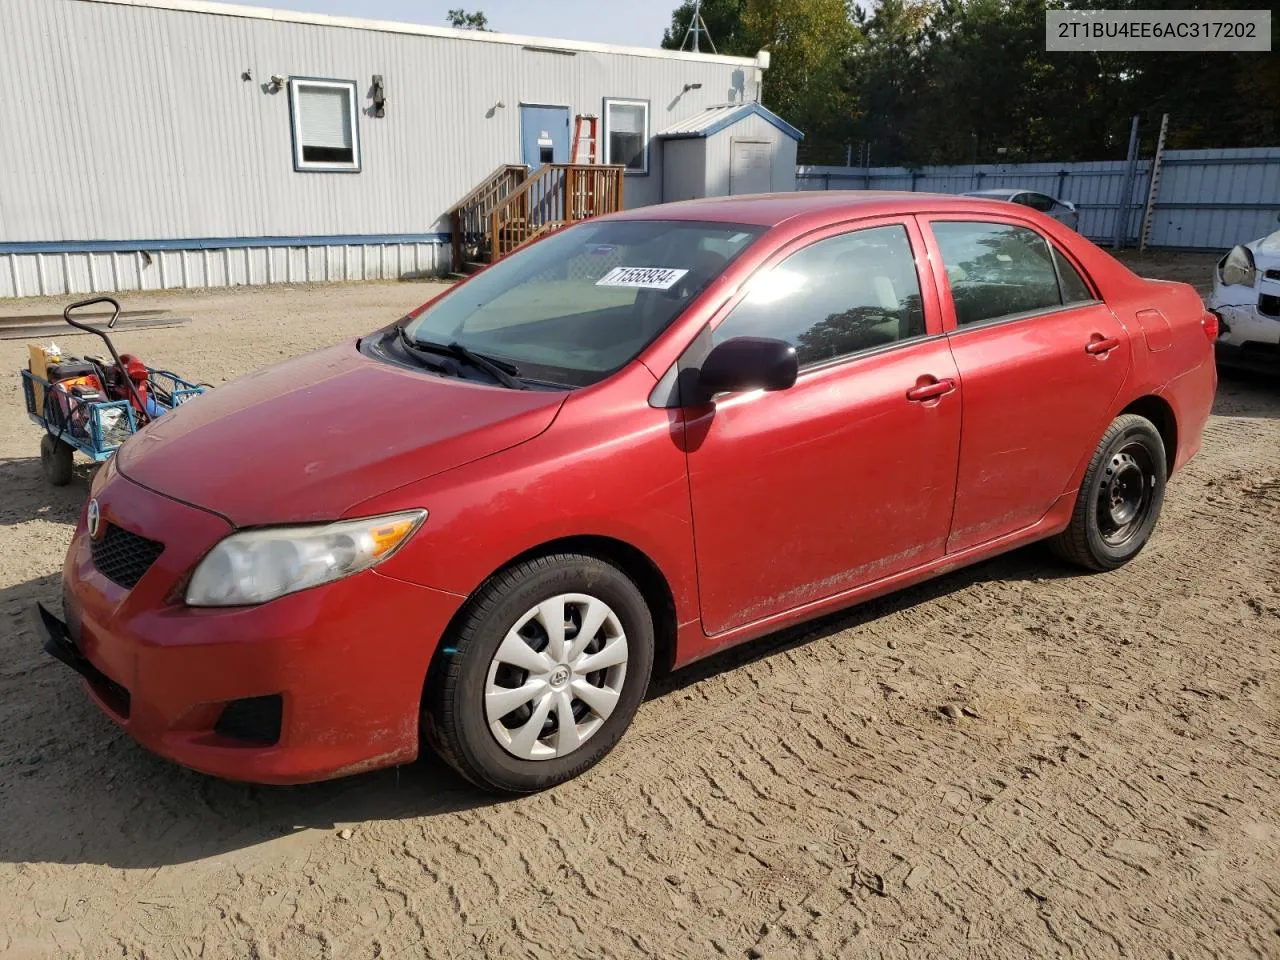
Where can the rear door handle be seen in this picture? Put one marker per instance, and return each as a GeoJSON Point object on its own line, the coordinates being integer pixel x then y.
{"type": "Point", "coordinates": [930, 391]}
{"type": "Point", "coordinates": [1100, 345]}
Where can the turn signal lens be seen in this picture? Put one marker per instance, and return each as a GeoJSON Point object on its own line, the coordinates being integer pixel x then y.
{"type": "Point", "coordinates": [386, 537]}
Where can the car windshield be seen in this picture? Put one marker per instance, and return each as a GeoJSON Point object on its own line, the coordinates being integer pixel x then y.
{"type": "Point", "coordinates": [580, 304]}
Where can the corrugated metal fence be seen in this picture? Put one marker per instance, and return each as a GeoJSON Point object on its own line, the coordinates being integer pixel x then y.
{"type": "Point", "coordinates": [1208, 200]}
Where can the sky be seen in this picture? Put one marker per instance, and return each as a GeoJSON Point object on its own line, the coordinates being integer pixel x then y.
{"type": "Point", "coordinates": [637, 23]}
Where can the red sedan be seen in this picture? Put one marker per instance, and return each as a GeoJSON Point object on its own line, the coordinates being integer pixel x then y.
{"type": "Point", "coordinates": [627, 446]}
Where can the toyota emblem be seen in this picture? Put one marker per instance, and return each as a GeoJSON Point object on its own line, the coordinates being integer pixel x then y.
{"type": "Point", "coordinates": [95, 517]}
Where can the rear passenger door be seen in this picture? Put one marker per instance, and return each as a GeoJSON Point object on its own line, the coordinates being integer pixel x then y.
{"type": "Point", "coordinates": [1041, 360]}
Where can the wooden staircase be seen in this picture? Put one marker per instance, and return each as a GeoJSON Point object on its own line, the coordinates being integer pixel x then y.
{"type": "Point", "coordinates": [512, 207]}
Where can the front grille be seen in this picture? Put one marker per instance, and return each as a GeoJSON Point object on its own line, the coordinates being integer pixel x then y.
{"type": "Point", "coordinates": [1269, 304]}
{"type": "Point", "coordinates": [123, 557]}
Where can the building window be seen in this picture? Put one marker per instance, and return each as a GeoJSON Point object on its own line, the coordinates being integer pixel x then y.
{"type": "Point", "coordinates": [325, 135]}
{"type": "Point", "coordinates": [626, 134]}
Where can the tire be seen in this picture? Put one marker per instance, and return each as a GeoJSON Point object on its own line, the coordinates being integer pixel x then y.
{"type": "Point", "coordinates": [502, 644]}
{"type": "Point", "coordinates": [56, 459]}
{"type": "Point", "coordinates": [1120, 499]}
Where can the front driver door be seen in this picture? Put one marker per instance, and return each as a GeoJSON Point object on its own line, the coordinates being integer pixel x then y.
{"type": "Point", "coordinates": [848, 476]}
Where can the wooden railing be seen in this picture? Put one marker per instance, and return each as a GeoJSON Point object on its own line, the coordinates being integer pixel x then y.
{"type": "Point", "coordinates": [555, 195]}
{"type": "Point", "coordinates": [469, 220]}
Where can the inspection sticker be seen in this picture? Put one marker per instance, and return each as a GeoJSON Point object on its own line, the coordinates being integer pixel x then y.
{"type": "Point", "coordinates": [646, 278]}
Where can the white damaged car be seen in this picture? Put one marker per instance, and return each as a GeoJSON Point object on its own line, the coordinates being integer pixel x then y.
{"type": "Point", "coordinates": [1246, 301]}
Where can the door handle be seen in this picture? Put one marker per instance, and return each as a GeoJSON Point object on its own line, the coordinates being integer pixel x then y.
{"type": "Point", "coordinates": [1101, 345]}
{"type": "Point", "coordinates": [931, 390]}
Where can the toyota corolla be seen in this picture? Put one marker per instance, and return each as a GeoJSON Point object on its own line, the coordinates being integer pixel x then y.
{"type": "Point", "coordinates": [628, 445]}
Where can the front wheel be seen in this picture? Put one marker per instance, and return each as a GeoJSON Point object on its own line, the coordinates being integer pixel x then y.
{"type": "Point", "coordinates": [1119, 501]}
{"type": "Point", "coordinates": [547, 669]}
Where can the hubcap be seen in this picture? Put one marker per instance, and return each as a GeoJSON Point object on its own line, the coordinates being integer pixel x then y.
{"type": "Point", "coordinates": [556, 677]}
{"type": "Point", "coordinates": [1124, 494]}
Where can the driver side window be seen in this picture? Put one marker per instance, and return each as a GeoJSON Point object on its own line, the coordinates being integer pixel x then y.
{"type": "Point", "coordinates": [836, 297]}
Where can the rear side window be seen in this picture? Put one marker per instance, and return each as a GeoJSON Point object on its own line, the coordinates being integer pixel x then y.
{"type": "Point", "coordinates": [1074, 289]}
{"type": "Point", "coordinates": [1038, 201]}
{"type": "Point", "coordinates": [996, 270]}
{"type": "Point", "coordinates": [838, 296]}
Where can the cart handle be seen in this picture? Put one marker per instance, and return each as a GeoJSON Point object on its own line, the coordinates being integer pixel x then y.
{"type": "Point", "coordinates": [98, 331]}
{"type": "Point", "coordinates": [115, 306]}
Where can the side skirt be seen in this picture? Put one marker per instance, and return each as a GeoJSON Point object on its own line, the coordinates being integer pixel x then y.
{"type": "Point", "coordinates": [693, 644]}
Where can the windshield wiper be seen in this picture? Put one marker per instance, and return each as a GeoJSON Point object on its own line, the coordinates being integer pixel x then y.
{"type": "Point", "coordinates": [502, 371]}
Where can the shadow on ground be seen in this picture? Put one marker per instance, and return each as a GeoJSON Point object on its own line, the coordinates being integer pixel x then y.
{"type": "Point", "coordinates": [106, 800]}
{"type": "Point", "coordinates": [26, 495]}
{"type": "Point", "coordinates": [1246, 393]}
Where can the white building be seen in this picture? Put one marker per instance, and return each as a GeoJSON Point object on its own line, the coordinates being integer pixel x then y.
{"type": "Point", "coordinates": [173, 143]}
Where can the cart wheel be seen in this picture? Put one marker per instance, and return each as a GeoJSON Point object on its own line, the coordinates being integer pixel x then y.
{"type": "Point", "coordinates": [55, 457]}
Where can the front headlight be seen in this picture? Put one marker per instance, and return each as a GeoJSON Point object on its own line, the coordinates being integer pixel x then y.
{"type": "Point", "coordinates": [1237, 267]}
{"type": "Point", "coordinates": [260, 565]}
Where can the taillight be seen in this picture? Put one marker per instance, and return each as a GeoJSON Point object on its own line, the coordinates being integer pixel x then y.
{"type": "Point", "coordinates": [1210, 324]}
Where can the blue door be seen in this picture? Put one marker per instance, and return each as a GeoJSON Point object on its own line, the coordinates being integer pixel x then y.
{"type": "Point", "coordinates": [544, 135]}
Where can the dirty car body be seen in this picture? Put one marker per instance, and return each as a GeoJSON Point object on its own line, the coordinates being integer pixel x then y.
{"type": "Point", "coordinates": [627, 446]}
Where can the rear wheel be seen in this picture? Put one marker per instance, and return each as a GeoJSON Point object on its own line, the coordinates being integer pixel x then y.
{"type": "Point", "coordinates": [56, 460]}
{"type": "Point", "coordinates": [1120, 499]}
{"type": "Point", "coordinates": [549, 666]}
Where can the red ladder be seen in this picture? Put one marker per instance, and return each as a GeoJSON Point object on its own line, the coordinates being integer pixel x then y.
{"type": "Point", "coordinates": [592, 123]}
{"type": "Point", "coordinates": [581, 204]}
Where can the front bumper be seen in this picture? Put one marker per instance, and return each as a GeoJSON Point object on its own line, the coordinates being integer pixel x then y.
{"type": "Point", "coordinates": [345, 662]}
{"type": "Point", "coordinates": [1249, 338]}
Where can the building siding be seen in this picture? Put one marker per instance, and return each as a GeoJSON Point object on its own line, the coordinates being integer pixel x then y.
{"type": "Point", "coordinates": [719, 147]}
{"type": "Point", "coordinates": [684, 169]}
{"type": "Point", "coordinates": [136, 125]}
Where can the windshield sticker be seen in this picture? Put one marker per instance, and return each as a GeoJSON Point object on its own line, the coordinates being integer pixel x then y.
{"type": "Point", "coordinates": [602, 249]}
{"type": "Point", "coordinates": [645, 278]}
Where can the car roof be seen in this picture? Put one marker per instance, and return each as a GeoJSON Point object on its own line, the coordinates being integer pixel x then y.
{"type": "Point", "coordinates": [772, 209]}
{"type": "Point", "coordinates": [997, 192]}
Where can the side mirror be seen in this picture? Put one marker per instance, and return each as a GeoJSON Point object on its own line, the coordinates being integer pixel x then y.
{"type": "Point", "coordinates": [749, 363]}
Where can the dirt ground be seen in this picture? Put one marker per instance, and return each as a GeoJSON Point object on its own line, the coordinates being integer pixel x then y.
{"type": "Point", "coordinates": [1105, 780]}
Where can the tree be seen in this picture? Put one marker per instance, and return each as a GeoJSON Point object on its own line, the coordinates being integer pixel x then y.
{"type": "Point", "coordinates": [810, 43]}
{"type": "Point", "coordinates": [970, 81]}
{"type": "Point", "coordinates": [468, 21]}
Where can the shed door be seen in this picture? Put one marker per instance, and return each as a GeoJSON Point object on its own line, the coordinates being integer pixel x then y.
{"type": "Point", "coordinates": [750, 166]}
{"type": "Point", "coordinates": [544, 134]}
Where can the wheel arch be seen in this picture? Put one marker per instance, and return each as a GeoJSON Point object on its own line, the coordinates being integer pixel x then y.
{"type": "Point", "coordinates": [1157, 409]}
{"type": "Point", "coordinates": [632, 561]}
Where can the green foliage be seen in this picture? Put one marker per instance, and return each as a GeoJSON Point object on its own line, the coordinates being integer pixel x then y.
{"type": "Point", "coordinates": [467, 21]}
{"type": "Point", "coordinates": [958, 81]}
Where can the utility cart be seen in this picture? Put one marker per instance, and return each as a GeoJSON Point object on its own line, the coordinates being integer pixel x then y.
{"type": "Point", "coordinates": [90, 405]}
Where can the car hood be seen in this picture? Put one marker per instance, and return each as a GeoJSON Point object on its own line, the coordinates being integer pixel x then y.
{"type": "Point", "coordinates": [307, 439]}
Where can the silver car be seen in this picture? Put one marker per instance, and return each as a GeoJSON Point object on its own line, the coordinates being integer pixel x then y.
{"type": "Point", "coordinates": [1064, 211]}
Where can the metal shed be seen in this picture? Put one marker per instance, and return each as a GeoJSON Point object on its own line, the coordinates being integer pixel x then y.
{"type": "Point", "coordinates": [726, 149]}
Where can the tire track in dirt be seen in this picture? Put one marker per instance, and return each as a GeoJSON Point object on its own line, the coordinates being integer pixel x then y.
{"type": "Point", "coordinates": [1104, 788]}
